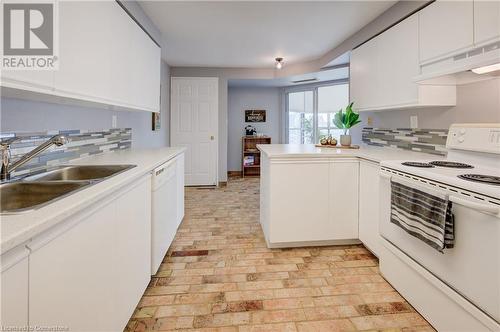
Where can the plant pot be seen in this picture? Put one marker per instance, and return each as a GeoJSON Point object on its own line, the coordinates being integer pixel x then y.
{"type": "Point", "coordinates": [345, 140]}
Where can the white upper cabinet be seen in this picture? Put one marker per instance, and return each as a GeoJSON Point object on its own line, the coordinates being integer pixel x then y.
{"type": "Point", "coordinates": [445, 28]}
{"type": "Point", "coordinates": [398, 63]}
{"type": "Point", "coordinates": [364, 78]}
{"type": "Point", "coordinates": [107, 60]}
{"type": "Point", "coordinates": [486, 21]}
{"type": "Point", "coordinates": [135, 64]}
{"type": "Point", "coordinates": [383, 71]}
{"type": "Point", "coordinates": [38, 81]}
{"type": "Point", "coordinates": [84, 48]}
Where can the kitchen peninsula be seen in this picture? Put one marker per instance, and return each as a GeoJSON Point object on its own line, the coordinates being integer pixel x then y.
{"type": "Point", "coordinates": [322, 196]}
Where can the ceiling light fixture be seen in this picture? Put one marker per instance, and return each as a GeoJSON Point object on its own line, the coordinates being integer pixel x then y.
{"type": "Point", "coordinates": [279, 63]}
{"type": "Point", "coordinates": [486, 69]}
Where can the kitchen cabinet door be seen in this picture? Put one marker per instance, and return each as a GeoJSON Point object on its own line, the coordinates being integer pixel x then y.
{"type": "Point", "coordinates": [145, 73]}
{"type": "Point", "coordinates": [32, 80]}
{"type": "Point", "coordinates": [132, 249]}
{"type": "Point", "coordinates": [71, 274]}
{"type": "Point", "coordinates": [343, 199]}
{"type": "Point", "coordinates": [299, 201]}
{"type": "Point", "coordinates": [398, 64]}
{"type": "Point", "coordinates": [89, 272]}
{"type": "Point", "coordinates": [445, 28]}
{"type": "Point", "coordinates": [486, 21]}
{"type": "Point", "coordinates": [135, 64]}
{"type": "Point", "coordinates": [85, 39]}
{"type": "Point", "coordinates": [364, 91]}
{"type": "Point", "coordinates": [14, 290]}
{"type": "Point", "coordinates": [369, 205]}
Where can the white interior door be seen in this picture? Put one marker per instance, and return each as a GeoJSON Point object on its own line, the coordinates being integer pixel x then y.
{"type": "Point", "coordinates": [194, 109]}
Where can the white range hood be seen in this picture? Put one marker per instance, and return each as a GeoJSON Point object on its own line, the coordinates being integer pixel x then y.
{"type": "Point", "coordinates": [462, 68]}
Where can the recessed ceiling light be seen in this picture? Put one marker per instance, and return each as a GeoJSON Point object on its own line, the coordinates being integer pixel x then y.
{"type": "Point", "coordinates": [279, 63]}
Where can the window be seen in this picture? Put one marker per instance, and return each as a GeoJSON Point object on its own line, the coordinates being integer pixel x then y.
{"type": "Point", "coordinates": [310, 112]}
{"type": "Point", "coordinates": [300, 117]}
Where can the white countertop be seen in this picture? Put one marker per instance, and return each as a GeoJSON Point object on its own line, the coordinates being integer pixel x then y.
{"type": "Point", "coordinates": [19, 228]}
{"type": "Point", "coordinates": [373, 153]}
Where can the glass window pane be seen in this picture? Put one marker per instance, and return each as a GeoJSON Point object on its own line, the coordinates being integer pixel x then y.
{"type": "Point", "coordinates": [323, 120]}
{"type": "Point", "coordinates": [323, 133]}
{"type": "Point", "coordinates": [294, 120]}
{"type": "Point", "coordinates": [308, 128]}
{"type": "Point", "coordinates": [302, 114]}
{"type": "Point", "coordinates": [294, 136]}
{"type": "Point", "coordinates": [301, 117]}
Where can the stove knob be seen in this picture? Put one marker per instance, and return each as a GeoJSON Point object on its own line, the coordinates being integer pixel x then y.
{"type": "Point", "coordinates": [462, 132]}
{"type": "Point", "coordinates": [461, 140]}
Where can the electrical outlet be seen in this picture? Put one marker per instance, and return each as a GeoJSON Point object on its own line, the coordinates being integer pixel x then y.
{"type": "Point", "coordinates": [113, 121]}
{"type": "Point", "coordinates": [369, 121]}
{"type": "Point", "coordinates": [413, 122]}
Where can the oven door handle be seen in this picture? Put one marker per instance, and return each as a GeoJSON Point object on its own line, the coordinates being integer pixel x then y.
{"type": "Point", "coordinates": [476, 206]}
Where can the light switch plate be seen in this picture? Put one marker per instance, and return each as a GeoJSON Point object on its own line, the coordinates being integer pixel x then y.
{"type": "Point", "coordinates": [113, 121]}
{"type": "Point", "coordinates": [413, 122]}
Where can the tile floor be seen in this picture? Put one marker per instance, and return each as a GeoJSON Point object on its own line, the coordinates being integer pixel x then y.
{"type": "Point", "coordinates": [220, 276]}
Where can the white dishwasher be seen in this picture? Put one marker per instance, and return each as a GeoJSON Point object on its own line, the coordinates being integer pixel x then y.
{"type": "Point", "coordinates": [164, 211]}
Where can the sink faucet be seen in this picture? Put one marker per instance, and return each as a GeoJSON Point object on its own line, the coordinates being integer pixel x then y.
{"type": "Point", "coordinates": [7, 168]}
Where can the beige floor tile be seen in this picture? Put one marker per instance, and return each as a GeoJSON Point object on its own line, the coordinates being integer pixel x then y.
{"type": "Point", "coordinates": [219, 276]}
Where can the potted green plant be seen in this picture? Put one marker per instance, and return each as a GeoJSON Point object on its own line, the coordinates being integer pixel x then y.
{"type": "Point", "coordinates": [346, 120]}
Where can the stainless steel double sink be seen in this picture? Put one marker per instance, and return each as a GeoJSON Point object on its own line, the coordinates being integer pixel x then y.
{"type": "Point", "coordinates": [34, 191]}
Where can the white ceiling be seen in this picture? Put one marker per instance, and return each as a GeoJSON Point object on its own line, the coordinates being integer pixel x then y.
{"type": "Point", "coordinates": [253, 33]}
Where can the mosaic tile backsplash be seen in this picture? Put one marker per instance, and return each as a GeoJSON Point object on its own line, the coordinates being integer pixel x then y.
{"type": "Point", "coordinates": [82, 143]}
{"type": "Point", "coordinates": [422, 140]}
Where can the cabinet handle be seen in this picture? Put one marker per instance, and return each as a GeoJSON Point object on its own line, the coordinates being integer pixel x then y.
{"type": "Point", "coordinates": [475, 206]}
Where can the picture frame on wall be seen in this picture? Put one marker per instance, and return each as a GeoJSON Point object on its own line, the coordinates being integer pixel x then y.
{"type": "Point", "coordinates": [156, 121]}
{"type": "Point", "coordinates": [255, 115]}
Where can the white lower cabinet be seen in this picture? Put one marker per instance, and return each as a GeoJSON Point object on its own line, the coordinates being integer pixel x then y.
{"type": "Point", "coordinates": [343, 198]}
{"type": "Point", "coordinates": [369, 205]}
{"type": "Point", "coordinates": [309, 201]}
{"type": "Point", "coordinates": [299, 198]}
{"type": "Point", "coordinates": [14, 287]}
{"type": "Point", "coordinates": [88, 273]}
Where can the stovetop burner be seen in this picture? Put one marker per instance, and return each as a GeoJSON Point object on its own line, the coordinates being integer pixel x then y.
{"type": "Point", "coordinates": [450, 164]}
{"type": "Point", "coordinates": [416, 164]}
{"type": "Point", "coordinates": [488, 179]}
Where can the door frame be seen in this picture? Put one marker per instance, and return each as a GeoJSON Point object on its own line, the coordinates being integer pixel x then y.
{"type": "Point", "coordinates": [217, 131]}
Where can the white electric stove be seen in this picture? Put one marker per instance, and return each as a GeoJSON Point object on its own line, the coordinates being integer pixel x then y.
{"type": "Point", "coordinates": [458, 290]}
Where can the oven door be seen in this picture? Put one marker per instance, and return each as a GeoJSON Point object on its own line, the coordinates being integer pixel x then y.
{"type": "Point", "coordinates": [472, 267]}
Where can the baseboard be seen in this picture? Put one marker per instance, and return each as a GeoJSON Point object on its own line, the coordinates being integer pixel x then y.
{"type": "Point", "coordinates": [234, 174]}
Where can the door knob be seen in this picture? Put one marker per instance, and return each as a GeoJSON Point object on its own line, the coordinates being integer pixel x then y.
{"type": "Point", "coordinates": [212, 138]}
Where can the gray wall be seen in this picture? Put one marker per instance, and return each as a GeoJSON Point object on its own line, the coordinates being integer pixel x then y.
{"type": "Point", "coordinates": [240, 99]}
{"type": "Point", "coordinates": [476, 103]}
{"type": "Point", "coordinates": [28, 116]}
{"type": "Point", "coordinates": [24, 115]}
